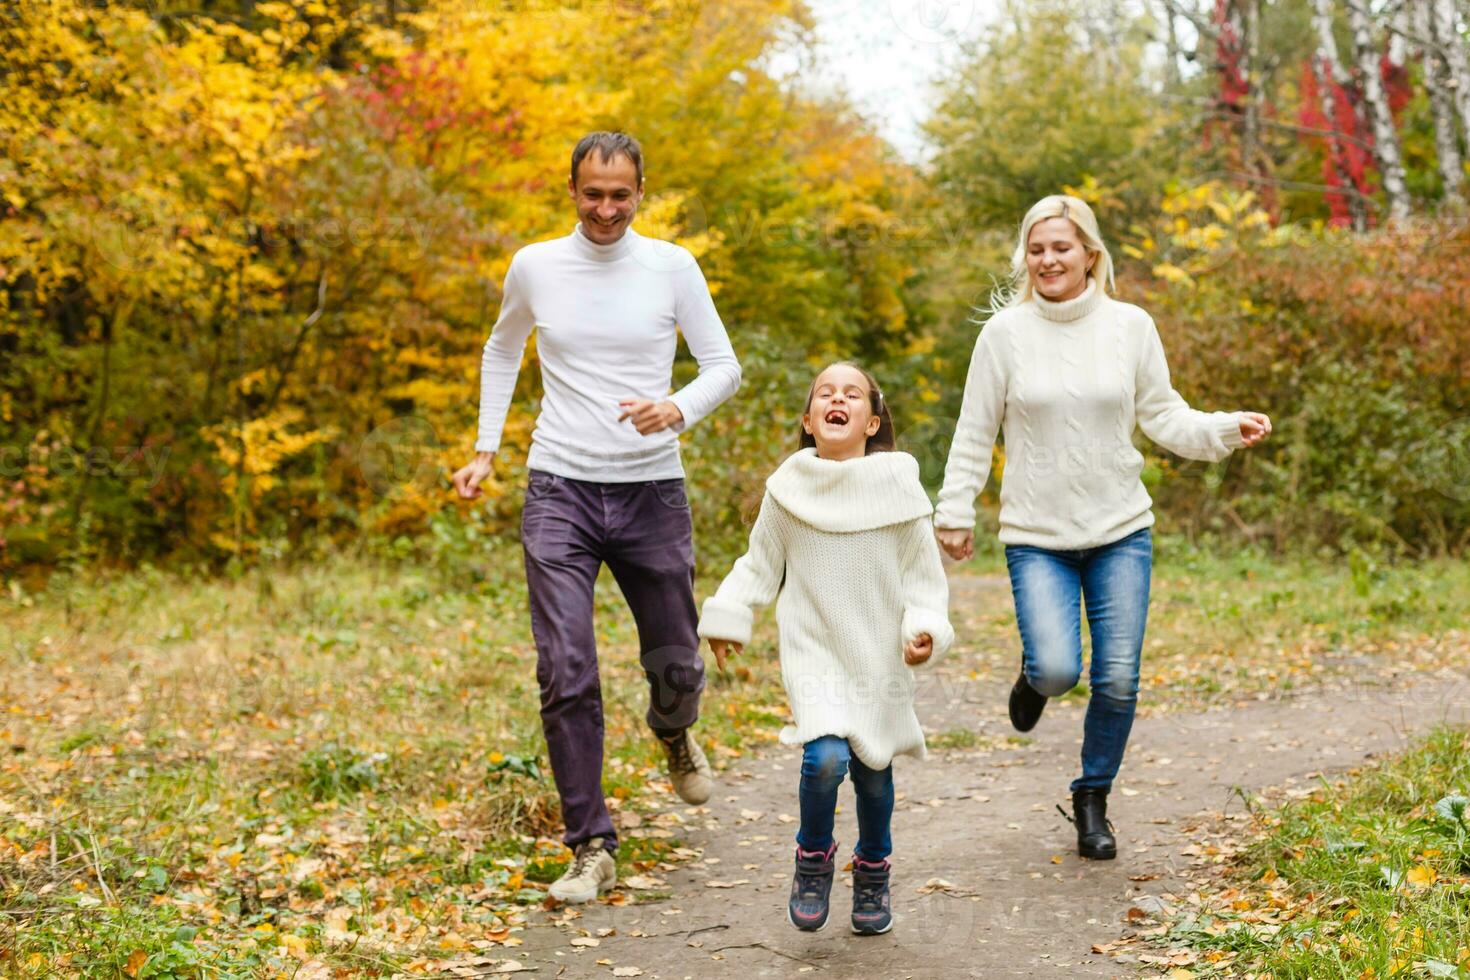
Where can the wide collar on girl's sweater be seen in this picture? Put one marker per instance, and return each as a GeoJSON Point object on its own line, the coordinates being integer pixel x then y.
{"type": "Point", "coordinates": [850, 495]}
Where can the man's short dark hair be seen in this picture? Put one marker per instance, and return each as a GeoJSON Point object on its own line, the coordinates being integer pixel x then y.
{"type": "Point", "coordinates": [608, 145]}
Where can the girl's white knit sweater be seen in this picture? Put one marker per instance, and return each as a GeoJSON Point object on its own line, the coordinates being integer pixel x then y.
{"type": "Point", "coordinates": [1068, 382]}
{"type": "Point", "coordinates": [862, 577]}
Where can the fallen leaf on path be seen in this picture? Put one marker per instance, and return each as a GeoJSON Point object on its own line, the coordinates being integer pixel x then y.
{"type": "Point", "coordinates": [727, 884]}
{"type": "Point", "coordinates": [941, 885]}
{"type": "Point", "coordinates": [643, 882]}
{"type": "Point", "coordinates": [627, 971]}
{"type": "Point", "coordinates": [586, 941]}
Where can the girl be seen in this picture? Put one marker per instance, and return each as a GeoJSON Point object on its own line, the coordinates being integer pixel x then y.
{"type": "Point", "coordinates": [1067, 373]}
{"type": "Point", "coordinates": [843, 537]}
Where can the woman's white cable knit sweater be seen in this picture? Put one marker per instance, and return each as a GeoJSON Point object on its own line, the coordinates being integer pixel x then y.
{"type": "Point", "coordinates": [854, 542]}
{"type": "Point", "coordinates": [1068, 382]}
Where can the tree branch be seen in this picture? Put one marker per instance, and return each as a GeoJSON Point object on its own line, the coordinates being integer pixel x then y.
{"type": "Point", "coordinates": [307, 324]}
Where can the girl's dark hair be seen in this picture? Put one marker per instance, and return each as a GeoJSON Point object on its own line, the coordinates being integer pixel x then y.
{"type": "Point", "coordinates": [882, 441]}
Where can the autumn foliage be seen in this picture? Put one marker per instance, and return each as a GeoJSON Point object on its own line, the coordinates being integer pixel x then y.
{"type": "Point", "coordinates": [246, 268]}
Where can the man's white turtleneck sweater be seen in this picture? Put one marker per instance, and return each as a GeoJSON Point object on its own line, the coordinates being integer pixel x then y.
{"type": "Point", "coordinates": [606, 319]}
{"type": "Point", "coordinates": [1067, 383]}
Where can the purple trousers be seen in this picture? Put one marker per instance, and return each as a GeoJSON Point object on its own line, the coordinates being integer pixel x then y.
{"type": "Point", "coordinates": [642, 531]}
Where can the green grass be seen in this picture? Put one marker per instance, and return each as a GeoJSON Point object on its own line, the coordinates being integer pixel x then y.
{"type": "Point", "coordinates": [251, 769]}
{"type": "Point", "coordinates": [1366, 877]}
{"type": "Point", "coordinates": [1223, 627]}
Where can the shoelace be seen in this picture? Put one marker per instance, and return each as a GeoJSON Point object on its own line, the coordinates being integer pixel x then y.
{"type": "Point", "coordinates": [1072, 820]}
{"type": "Point", "coordinates": [583, 859]}
{"type": "Point", "coordinates": [682, 760]}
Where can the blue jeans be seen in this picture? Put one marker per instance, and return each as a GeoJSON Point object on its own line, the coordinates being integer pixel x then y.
{"type": "Point", "coordinates": [1113, 579]}
{"type": "Point", "coordinates": [824, 761]}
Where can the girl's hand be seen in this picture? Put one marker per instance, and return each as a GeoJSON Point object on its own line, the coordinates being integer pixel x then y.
{"type": "Point", "coordinates": [723, 649]}
{"type": "Point", "coordinates": [918, 650]}
{"type": "Point", "coordinates": [957, 542]}
{"type": "Point", "coordinates": [1254, 427]}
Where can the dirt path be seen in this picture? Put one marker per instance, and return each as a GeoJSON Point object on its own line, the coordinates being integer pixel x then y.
{"type": "Point", "coordinates": [983, 819]}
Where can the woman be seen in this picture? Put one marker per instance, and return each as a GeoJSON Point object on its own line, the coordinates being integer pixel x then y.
{"type": "Point", "coordinates": [1066, 372]}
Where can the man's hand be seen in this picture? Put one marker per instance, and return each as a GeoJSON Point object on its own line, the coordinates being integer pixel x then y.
{"type": "Point", "coordinates": [1254, 427]}
{"type": "Point", "coordinates": [650, 417]}
{"type": "Point", "coordinates": [957, 542]}
{"type": "Point", "coordinates": [723, 649]}
{"type": "Point", "coordinates": [918, 650]}
{"type": "Point", "coordinates": [468, 478]}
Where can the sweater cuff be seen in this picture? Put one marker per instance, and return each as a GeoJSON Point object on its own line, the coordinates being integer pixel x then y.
{"type": "Point", "coordinates": [917, 620]}
{"type": "Point", "coordinates": [951, 518]}
{"type": "Point", "coordinates": [723, 620]}
{"type": "Point", "coordinates": [1229, 430]}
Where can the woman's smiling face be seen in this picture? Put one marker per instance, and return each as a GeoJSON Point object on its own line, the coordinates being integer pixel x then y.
{"type": "Point", "coordinates": [840, 416]}
{"type": "Point", "coordinates": [1056, 260]}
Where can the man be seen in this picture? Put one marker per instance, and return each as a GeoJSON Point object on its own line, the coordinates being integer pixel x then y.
{"type": "Point", "coordinates": [606, 483]}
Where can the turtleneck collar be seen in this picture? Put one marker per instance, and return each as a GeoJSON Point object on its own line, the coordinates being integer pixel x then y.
{"type": "Point", "coordinates": [1070, 309]}
{"type": "Point", "coordinates": [850, 495]}
{"type": "Point", "coordinates": [603, 253]}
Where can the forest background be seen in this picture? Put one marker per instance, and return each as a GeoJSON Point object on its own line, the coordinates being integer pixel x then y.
{"type": "Point", "coordinates": [249, 253]}
{"type": "Point", "coordinates": [268, 705]}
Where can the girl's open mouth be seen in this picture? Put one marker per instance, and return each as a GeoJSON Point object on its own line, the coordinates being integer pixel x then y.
{"type": "Point", "coordinates": [835, 417]}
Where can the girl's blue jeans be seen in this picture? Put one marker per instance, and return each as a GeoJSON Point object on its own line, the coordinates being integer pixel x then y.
{"type": "Point", "coordinates": [1113, 581]}
{"type": "Point", "coordinates": [824, 761]}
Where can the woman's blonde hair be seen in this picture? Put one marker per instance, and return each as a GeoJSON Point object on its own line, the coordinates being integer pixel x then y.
{"type": "Point", "coordinates": [1019, 289]}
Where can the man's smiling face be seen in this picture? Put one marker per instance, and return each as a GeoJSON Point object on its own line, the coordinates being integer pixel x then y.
{"type": "Point", "coordinates": [606, 193]}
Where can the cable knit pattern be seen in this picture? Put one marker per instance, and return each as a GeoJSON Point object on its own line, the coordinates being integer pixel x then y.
{"type": "Point", "coordinates": [1068, 383]}
{"type": "Point", "coordinates": [862, 577]}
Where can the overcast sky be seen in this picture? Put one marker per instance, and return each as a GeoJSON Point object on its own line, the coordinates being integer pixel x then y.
{"type": "Point", "coordinates": [886, 53]}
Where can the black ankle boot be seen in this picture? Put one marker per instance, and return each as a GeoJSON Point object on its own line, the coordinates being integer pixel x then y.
{"type": "Point", "coordinates": [1026, 705]}
{"type": "Point", "coordinates": [1094, 834]}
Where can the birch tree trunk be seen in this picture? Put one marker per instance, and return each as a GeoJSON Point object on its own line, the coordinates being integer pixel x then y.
{"type": "Point", "coordinates": [1446, 30]}
{"type": "Point", "coordinates": [1439, 86]}
{"type": "Point", "coordinates": [1331, 75]}
{"type": "Point", "coordinates": [1172, 41]}
{"type": "Point", "coordinates": [1385, 134]}
{"type": "Point", "coordinates": [1250, 143]}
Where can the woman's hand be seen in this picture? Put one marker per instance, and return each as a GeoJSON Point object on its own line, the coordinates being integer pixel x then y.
{"type": "Point", "coordinates": [723, 649]}
{"type": "Point", "coordinates": [918, 650]}
{"type": "Point", "coordinates": [1254, 428]}
{"type": "Point", "coordinates": [957, 542]}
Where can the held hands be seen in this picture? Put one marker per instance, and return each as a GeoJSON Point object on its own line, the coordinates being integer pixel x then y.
{"type": "Point", "coordinates": [957, 542]}
{"type": "Point", "coordinates": [723, 649]}
{"type": "Point", "coordinates": [918, 650]}
{"type": "Point", "coordinates": [468, 478]}
{"type": "Point", "coordinates": [1254, 427]}
{"type": "Point", "coordinates": [650, 417]}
